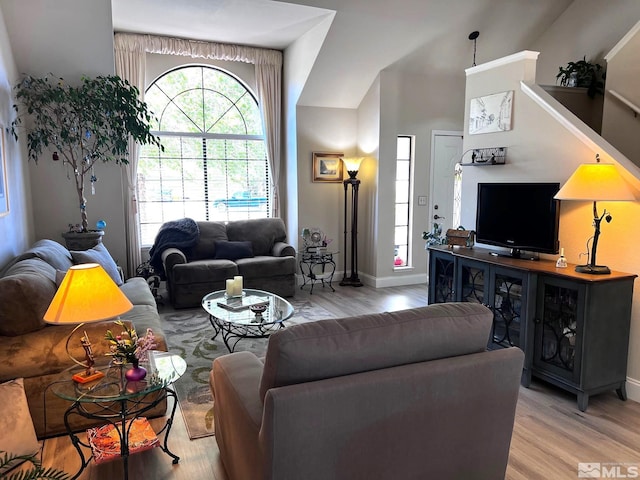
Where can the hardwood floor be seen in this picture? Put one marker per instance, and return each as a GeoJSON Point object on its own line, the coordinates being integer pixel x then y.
{"type": "Point", "coordinates": [551, 436]}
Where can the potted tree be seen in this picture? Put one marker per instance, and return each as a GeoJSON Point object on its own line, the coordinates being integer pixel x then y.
{"type": "Point", "coordinates": [80, 126]}
{"type": "Point", "coordinates": [582, 74]}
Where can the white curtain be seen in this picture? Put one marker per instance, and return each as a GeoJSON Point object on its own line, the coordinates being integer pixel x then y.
{"type": "Point", "coordinates": [130, 66]}
{"type": "Point", "coordinates": [269, 85]}
{"type": "Point", "coordinates": [268, 66]}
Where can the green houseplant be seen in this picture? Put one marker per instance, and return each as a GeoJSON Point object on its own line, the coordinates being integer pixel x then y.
{"type": "Point", "coordinates": [583, 74]}
{"type": "Point", "coordinates": [81, 125]}
{"type": "Point", "coordinates": [36, 472]}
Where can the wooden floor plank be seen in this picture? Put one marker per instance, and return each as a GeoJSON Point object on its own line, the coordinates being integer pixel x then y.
{"type": "Point", "coordinates": [551, 436]}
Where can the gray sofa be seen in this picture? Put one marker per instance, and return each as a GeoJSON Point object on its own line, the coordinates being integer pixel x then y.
{"type": "Point", "coordinates": [268, 265]}
{"type": "Point", "coordinates": [35, 351]}
{"type": "Point", "coordinates": [409, 395]}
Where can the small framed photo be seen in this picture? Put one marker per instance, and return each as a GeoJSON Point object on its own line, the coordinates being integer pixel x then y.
{"type": "Point", "coordinates": [327, 167]}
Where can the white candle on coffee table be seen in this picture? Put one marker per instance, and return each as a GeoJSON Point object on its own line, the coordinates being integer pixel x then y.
{"type": "Point", "coordinates": [230, 287]}
{"type": "Point", "coordinates": [238, 284]}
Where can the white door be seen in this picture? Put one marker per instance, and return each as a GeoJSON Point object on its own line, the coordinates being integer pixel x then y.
{"type": "Point", "coordinates": [446, 152]}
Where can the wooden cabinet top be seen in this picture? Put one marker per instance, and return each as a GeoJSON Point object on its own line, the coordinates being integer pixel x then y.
{"type": "Point", "coordinates": [537, 266]}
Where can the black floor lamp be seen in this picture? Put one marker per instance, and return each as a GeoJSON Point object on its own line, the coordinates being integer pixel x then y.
{"type": "Point", "coordinates": [352, 164]}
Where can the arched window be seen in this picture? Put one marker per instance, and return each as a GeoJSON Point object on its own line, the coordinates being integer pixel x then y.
{"type": "Point", "coordinates": [214, 165]}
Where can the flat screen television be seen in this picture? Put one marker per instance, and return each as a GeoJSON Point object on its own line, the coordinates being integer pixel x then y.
{"type": "Point", "coordinates": [519, 216]}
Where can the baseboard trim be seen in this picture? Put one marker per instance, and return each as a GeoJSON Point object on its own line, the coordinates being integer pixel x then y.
{"type": "Point", "coordinates": [633, 389]}
{"type": "Point", "coordinates": [375, 282]}
{"type": "Point", "coordinates": [400, 280]}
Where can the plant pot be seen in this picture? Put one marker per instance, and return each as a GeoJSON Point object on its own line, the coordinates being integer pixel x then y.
{"type": "Point", "coordinates": [83, 240]}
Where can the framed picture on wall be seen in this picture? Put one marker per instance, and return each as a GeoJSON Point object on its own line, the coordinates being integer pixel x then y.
{"type": "Point", "coordinates": [491, 113]}
{"type": "Point", "coordinates": [4, 193]}
{"type": "Point", "coordinates": [327, 167]}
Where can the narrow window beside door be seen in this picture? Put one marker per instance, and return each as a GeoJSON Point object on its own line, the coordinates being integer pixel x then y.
{"type": "Point", "coordinates": [403, 206]}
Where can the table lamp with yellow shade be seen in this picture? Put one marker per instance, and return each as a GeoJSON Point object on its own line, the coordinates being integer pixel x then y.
{"type": "Point", "coordinates": [87, 294]}
{"type": "Point", "coordinates": [595, 182]}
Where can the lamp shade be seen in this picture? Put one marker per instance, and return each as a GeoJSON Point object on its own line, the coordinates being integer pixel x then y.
{"type": "Point", "coordinates": [596, 182]}
{"type": "Point", "coordinates": [352, 164]}
{"type": "Point", "coordinates": [87, 294]}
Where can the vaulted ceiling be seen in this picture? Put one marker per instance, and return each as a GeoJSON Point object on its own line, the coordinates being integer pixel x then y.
{"type": "Point", "coordinates": [427, 37]}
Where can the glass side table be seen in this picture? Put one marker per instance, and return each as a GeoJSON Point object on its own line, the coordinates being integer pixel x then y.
{"type": "Point", "coordinates": [118, 402]}
{"type": "Point", "coordinates": [317, 266]}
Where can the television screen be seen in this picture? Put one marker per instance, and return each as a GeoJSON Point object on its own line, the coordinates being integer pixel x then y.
{"type": "Point", "coordinates": [519, 216]}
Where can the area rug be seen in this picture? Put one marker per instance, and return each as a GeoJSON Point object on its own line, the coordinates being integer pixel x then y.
{"type": "Point", "coordinates": [188, 334]}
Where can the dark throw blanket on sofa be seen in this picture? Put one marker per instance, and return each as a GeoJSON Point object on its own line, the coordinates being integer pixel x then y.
{"type": "Point", "coordinates": [182, 234]}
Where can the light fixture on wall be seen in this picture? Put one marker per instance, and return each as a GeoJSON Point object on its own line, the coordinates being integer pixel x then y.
{"type": "Point", "coordinates": [87, 294]}
{"type": "Point", "coordinates": [352, 165]}
{"type": "Point", "coordinates": [474, 36]}
{"type": "Point", "coordinates": [596, 182]}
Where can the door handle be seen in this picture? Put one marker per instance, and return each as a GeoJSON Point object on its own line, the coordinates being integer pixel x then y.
{"type": "Point", "coordinates": [437, 217]}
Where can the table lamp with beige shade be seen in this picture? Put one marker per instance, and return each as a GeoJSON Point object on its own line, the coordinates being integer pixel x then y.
{"type": "Point", "coordinates": [87, 294]}
{"type": "Point", "coordinates": [596, 182]}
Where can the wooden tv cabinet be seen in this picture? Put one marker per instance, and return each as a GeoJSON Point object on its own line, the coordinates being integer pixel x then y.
{"type": "Point", "coordinates": [573, 327]}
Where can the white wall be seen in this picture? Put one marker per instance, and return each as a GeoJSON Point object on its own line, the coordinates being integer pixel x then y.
{"type": "Point", "coordinates": [16, 228]}
{"type": "Point", "coordinates": [621, 125]}
{"type": "Point", "coordinates": [86, 48]}
{"type": "Point", "coordinates": [298, 61]}
{"type": "Point", "coordinates": [587, 28]}
{"type": "Point", "coordinates": [321, 205]}
{"type": "Point", "coordinates": [415, 105]}
{"type": "Point", "coordinates": [369, 147]}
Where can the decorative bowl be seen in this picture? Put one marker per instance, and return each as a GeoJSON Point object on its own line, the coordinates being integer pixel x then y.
{"type": "Point", "coordinates": [258, 309]}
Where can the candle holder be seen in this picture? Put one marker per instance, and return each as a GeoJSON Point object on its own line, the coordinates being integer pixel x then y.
{"type": "Point", "coordinates": [242, 294]}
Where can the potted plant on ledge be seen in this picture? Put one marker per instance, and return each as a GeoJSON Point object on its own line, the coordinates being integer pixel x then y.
{"type": "Point", "coordinates": [582, 74]}
{"type": "Point", "coordinates": [80, 126]}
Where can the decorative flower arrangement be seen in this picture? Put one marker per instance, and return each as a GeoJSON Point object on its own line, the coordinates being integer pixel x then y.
{"type": "Point", "coordinates": [127, 347]}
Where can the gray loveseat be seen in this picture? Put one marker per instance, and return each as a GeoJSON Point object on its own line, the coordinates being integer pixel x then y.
{"type": "Point", "coordinates": [267, 262]}
{"type": "Point", "coordinates": [412, 394]}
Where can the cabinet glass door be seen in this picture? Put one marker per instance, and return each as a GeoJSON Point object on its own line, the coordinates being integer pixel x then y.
{"type": "Point", "coordinates": [441, 272]}
{"type": "Point", "coordinates": [473, 281]}
{"type": "Point", "coordinates": [556, 329]}
{"type": "Point", "coordinates": [508, 306]}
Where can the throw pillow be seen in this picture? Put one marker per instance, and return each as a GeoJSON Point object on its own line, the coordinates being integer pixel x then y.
{"type": "Point", "coordinates": [233, 250]}
{"type": "Point", "coordinates": [24, 299]}
{"type": "Point", "coordinates": [15, 421]}
{"type": "Point", "coordinates": [99, 254]}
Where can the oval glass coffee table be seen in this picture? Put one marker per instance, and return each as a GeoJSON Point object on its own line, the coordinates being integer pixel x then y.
{"type": "Point", "coordinates": [234, 319]}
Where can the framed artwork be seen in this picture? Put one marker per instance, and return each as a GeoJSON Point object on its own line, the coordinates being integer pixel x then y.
{"type": "Point", "coordinates": [327, 167]}
{"type": "Point", "coordinates": [4, 193]}
{"type": "Point", "coordinates": [491, 113]}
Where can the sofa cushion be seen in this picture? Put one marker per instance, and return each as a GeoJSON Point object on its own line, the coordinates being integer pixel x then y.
{"type": "Point", "coordinates": [100, 255]}
{"type": "Point", "coordinates": [137, 290]}
{"type": "Point", "coordinates": [233, 250]}
{"type": "Point", "coordinates": [204, 271]}
{"type": "Point", "coordinates": [329, 348]}
{"type": "Point", "coordinates": [51, 252]}
{"type": "Point", "coordinates": [33, 266]}
{"type": "Point", "coordinates": [24, 299]}
{"type": "Point", "coordinates": [210, 233]}
{"type": "Point", "coordinates": [262, 232]}
{"type": "Point", "coordinates": [264, 267]}
{"type": "Point", "coordinates": [19, 436]}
